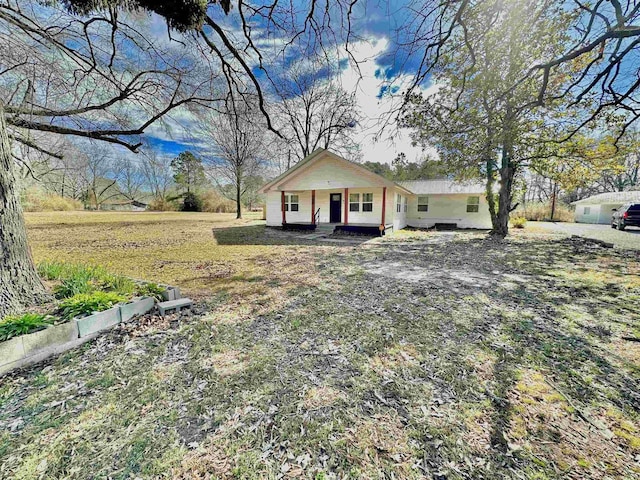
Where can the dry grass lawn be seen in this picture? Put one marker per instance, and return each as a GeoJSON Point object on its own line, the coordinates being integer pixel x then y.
{"type": "Point", "coordinates": [421, 355]}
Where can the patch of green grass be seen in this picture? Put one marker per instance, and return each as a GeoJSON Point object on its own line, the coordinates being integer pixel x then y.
{"type": "Point", "coordinates": [87, 303]}
{"type": "Point", "coordinates": [15, 325]}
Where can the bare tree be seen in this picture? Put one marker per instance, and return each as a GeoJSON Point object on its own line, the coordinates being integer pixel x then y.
{"type": "Point", "coordinates": [84, 68]}
{"type": "Point", "coordinates": [101, 174]}
{"type": "Point", "coordinates": [66, 74]}
{"type": "Point", "coordinates": [314, 112]}
{"type": "Point", "coordinates": [238, 137]}
{"type": "Point", "coordinates": [157, 172]}
{"type": "Point", "coordinates": [130, 180]}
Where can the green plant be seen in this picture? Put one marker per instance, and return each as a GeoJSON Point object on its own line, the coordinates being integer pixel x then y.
{"type": "Point", "coordinates": [15, 325]}
{"type": "Point", "coordinates": [191, 203]}
{"type": "Point", "coordinates": [118, 284]}
{"type": "Point", "coordinates": [87, 303]}
{"type": "Point", "coordinates": [150, 290]}
{"type": "Point", "coordinates": [518, 222]}
{"type": "Point", "coordinates": [65, 271]}
{"type": "Point", "coordinates": [73, 286]}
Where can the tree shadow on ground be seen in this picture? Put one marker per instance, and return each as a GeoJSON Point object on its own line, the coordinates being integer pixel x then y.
{"type": "Point", "coordinates": [262, 235]}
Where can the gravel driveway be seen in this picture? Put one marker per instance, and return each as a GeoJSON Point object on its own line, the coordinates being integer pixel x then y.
{"type": "Point", "coordinates": [629, 238]}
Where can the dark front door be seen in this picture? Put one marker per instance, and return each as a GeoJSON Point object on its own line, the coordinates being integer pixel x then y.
{"type": "Point", "coordinates": [335, 208]}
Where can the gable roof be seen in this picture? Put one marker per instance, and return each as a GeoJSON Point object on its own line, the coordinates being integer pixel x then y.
{"type": "Point", "coordinates": [322, 153]}
{"type": "Point", "coordinates": [435, 187]}
{"type": "Point", "coordinates": [610, 197]}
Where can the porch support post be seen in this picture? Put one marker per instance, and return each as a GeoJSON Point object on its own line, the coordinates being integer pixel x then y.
{"type": "Point", "coordinates": [284, 214]}
{"type": "Point", "coordinates": [313, 207]}
{"type": "Point", "coordinates": [346, 206]}
{"type": "Point", "coordinates": [384, 206]}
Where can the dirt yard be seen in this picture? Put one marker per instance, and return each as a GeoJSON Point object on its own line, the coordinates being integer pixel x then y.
{"type": "Point", "coordinates": [422, 355]}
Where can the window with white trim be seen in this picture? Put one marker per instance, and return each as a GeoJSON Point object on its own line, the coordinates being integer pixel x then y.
{"type": "Point", "coordinates": [399, 203]}
{"type": "Point", "coordinates": [423, 203]}
{"type": "Point", "coordinates": [405, 204]}
{"type": "Point", "coordinates": [473, 204]}
{"type": "Point", "coordinates": [354, 202]}
{"type": "Point", "coordinates": [367, 202]}
{"type": "Point", "coordinates": [587, 210]}
{"type": "Point", "coordinates": [291, 203]}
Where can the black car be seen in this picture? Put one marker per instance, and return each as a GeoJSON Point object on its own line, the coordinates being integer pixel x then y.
{"type": "Point", "coordinates": [628, 215]}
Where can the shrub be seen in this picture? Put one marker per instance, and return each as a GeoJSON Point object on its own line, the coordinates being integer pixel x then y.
{"type": "Point", "coordinates": [191, 203]}
{"type": "Point", "coordinates": [213, 202]}
{"type": "Point", "coordinates": [518, 222]}
{"type": "Point", "coordinates": [150, 290]}
{"type": "Point", "coordinates": [540, 212]}
{"type": "Point", "coordinates": [162, 205]}
{"type": "Point", "coordinates": [35, 200]}
{"type": "Point", "coordinates": [15, 325]}
{"type": "Point", "coordinates": [87, 303]}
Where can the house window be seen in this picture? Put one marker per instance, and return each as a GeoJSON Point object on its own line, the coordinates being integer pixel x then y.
{"type": "Point", "coordinates": [587, 210]}
{"type": "Point", "coordinates": [291, 203]}
{"type": "Point", "coordinates": [399, 203]}
{"type": "Point", "coordinates": [367, 202]}
{"type": "Point", "coordinates": [473, 204]}
{"type": "Point", "coordinates": [423, 204]}
{"type": "Point", "coordinates": [405, 204]}
{"type": "Point", "coordinates": [354, 202]}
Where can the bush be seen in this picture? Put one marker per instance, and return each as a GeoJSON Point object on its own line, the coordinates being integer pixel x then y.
{"type": "Point", "coordinates": [541, 212]}
{"type": "Point", "coordinates": [162, 205]}
{"type": "Point", "coordinates": [35, 200]}
{"type": "Point", "coordinates": [213, 202]}
{"type": "Point", "coordinates": [518, 222]}
{"type": "Point", "coordinates": [87, 303]}
{"type": "Point", "coordinates": [150, 290]}
{"type": "Point", "coordinates": [15, 325]}
{"type": "Point", "coordinates": [191, 203]}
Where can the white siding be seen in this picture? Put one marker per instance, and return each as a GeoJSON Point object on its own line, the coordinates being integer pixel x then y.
{"type": "Point", "coordinates": [274, 208]}
{"type": "Point", "coordinates": [274, 212]}
{"type": "Point", "coordinates": [449, 209]}
{"type": "Point", "coordinates": [329, 174]}
{"type": "Point", "coordinates": [399, 218]}
{"type": "Point", "coordinates": [587, 213]}
{"type": "Point", "coordinates": [597, 213]}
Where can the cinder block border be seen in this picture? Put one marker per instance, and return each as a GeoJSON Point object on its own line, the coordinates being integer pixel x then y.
{"type": "Point", "coordinates": [35, 347]}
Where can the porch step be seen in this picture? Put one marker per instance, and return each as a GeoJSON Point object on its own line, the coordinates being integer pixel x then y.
{"type": "Point", "coordinates": [176, 305]}
{"type": "Point", "coordinates": [325, 228]}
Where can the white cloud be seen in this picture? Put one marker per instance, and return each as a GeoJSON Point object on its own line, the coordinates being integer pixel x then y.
{"type": "Point", "coordinates": [378, 144]}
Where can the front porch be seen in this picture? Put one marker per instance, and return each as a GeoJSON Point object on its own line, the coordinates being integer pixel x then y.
{"type": "Point", "coordinates": [330, 228]}
{"type": "Point", "coordinates": [355, 210]}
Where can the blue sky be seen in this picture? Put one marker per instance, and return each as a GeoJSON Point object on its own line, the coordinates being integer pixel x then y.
{"type": "Point", "coordinates": [377, 27]}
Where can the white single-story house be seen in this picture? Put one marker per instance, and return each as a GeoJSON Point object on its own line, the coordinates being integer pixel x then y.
{"type": "Point", "coordinates": [325, 188]}
{"type": "Point", "coordinates": [598, 208]}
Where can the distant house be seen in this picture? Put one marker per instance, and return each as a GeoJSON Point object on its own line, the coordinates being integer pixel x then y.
{"type": "Point", "coordinates": [124, 206]}
{"type": "Point", "coordinates": [598, 208]}
{"type": "Point", "coordinates": [325, 188]}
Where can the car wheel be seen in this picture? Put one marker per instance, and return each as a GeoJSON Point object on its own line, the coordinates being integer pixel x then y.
{"type": "Point", "coordinates": [620, 226]}
{"type": "Point", "coordinates": [613, 225]}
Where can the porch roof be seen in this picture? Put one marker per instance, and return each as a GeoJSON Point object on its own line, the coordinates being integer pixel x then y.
{"type": "Point", "coordinates": [318, 155]}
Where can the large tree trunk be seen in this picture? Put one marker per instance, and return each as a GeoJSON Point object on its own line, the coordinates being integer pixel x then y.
{"type": "Point", "coordinates": [507, 174]}
{"type": "Point", "coordinates": [20, 285]}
